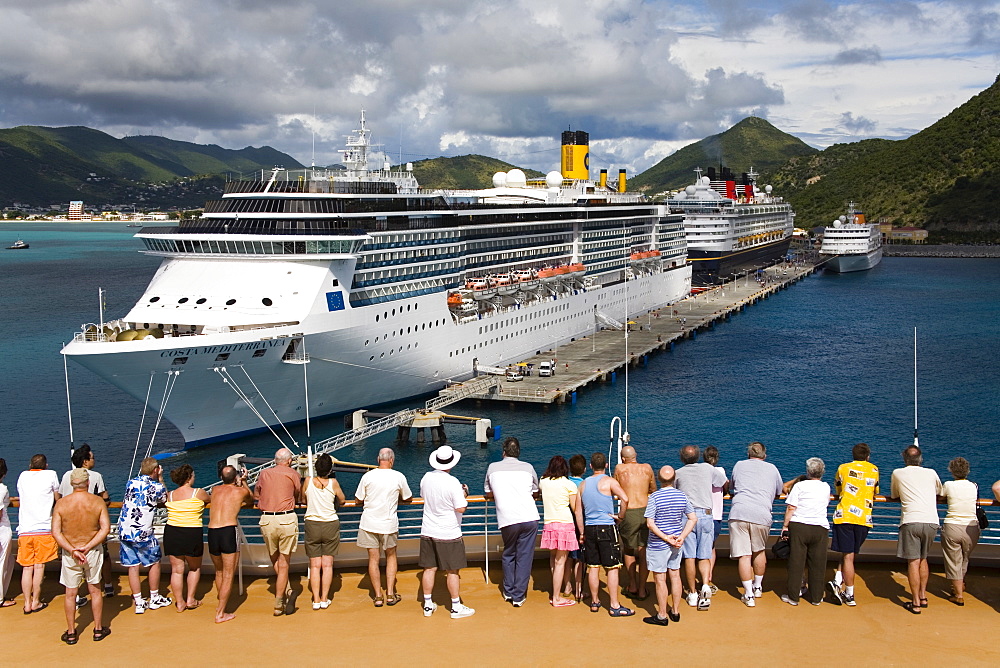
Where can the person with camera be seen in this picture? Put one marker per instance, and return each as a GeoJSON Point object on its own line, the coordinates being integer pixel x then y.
{"type": "Point", "coordinates": [138, 545]}
{"type": "Point", "coordinates": [807, 527]}
{"type": "Point", "coordinates": [223, 540]}
{"type": "Point", "coordinates": [277, 491]}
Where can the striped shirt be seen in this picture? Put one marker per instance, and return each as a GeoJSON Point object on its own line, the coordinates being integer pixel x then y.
{"type": "Point", "coordinates": [669, 508]}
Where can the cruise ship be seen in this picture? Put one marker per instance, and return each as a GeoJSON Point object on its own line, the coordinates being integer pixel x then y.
{"type": "Point", "coordinates": [384, 290]}
{"type": "Point", "coordinates": [851, 243]}
{"type": "Point", "coordinates": [732, 227]}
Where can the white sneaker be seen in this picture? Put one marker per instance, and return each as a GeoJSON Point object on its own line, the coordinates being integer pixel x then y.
{"type": "Point", "coordinates": [786, 599]}
{"type": "Point", "coordinates": [159, 601]}
{"type": "Point", "coordinates": [460, 610]}
{"type": "Point", "coordinates": [692, 599]}
{"type": "Point", "coordinates": [848, 599]}
{"type": "Point", "coordinates": [836, 596]}
{"type": "Point", "coordinates": [429, 608]}
{"type": "Point", "coordinates": [749, 600]}
{"type": "Point", "coordinates": [758, 591]}
{"type": "Point", "coordinates": [140, 605]}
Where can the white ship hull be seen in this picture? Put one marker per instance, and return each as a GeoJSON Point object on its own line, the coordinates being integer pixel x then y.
{"type": "Point", "coordinates": [842, 264]}
{"type": "Point", "coordinates": [347, 370]}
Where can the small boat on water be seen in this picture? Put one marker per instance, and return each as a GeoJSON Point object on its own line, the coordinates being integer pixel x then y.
{"type": "Point", "coordinates": [20, 244]}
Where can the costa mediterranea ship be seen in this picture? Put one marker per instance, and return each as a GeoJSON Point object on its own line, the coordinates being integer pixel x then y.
{"type": "Point", "coordinates": [387, 291]}
{"type": "Point", "coordinates": [851, 243]}
{"type": "Point", "coordinates": [732, 227]}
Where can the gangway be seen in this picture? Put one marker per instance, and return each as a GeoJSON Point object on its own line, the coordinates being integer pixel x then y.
{"type": "Point", "coordinates": [606, 319]}
{"type": "Point", "coordinates": [449, 395]}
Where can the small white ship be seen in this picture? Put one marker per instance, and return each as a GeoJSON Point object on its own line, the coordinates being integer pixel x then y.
{"type": "Point", "coordinates": [851, 243]}
{"type": "Point", "coordinates": [384, 289]}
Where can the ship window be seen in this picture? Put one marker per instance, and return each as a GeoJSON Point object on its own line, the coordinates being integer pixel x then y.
{"type": "Point", "coordinates": [260, 353]}
{"type": "Point", "coordinates": [266, 301]}
{"type": "Point", "coordinates": [201, 301]}
{"type": "Point", "coordinates": [371, 359]}
{"type": "Point", "coordinates": [230, 302]}
{"type": "Point", "coordinates": [335, 282]}
{"type": "Point", "coordinates": [376, 317]}
{"type": "Point", "coordinates": [153, 300]}
{"type": "Point", "coordinates": [222, 357]}
{"type": "Point", "coordinates": [182, 300]}
{"type": "Point", "coordinates": [179, 360]}
{"type": "Point", "coordinates": [416, 344]}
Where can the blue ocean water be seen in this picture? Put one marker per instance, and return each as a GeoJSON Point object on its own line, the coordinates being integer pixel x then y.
{"type": "Point", "coordinates": [809, 372]}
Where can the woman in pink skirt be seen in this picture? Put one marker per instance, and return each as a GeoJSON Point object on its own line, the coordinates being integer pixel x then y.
{"type": "Point", "coordinates": [559, 534]}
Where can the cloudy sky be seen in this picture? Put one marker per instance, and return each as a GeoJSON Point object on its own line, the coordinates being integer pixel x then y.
{"type": "Point", "coordinates": [501, 78]}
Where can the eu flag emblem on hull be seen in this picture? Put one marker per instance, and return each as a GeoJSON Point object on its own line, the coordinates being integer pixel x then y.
{"type": "Point", "coordinates": [335, 301]}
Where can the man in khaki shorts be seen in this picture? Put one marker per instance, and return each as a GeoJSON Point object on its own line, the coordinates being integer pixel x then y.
{"type": "Point", "coordinates": [638, 482]}
{"type": "Point", "coordinates": [276, 490]}
{"type": "Point", "coordinates": [755, 485]}
{"type": "Point", "coordinates": [381, 491]}
{"type": "Point", "coordinates": [79, 525]}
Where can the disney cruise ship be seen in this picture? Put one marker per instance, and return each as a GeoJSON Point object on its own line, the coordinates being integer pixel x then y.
{"type": "Point", "coordinates": [386, 290]}
{"type": "Point", "coordinates": [851, 243]}
{"type": "Point", "coordinates": [732, 227]}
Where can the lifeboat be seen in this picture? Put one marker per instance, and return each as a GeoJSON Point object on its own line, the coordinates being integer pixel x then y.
{"type": "Point", "coordinates": [505, 285]}
{"type": "Point", "coordinates": [562, 270]}
{"type": "Point", "coordinates": [635, 257]}
{"type": "Point", "coordinates": [454, 299]}
{"type": "Point", "coordinates": [547, 275]}
{"type": "Point", "coordinates": [577, 269]}
{"type": "Point", "coordinates": [523, 274]}
{"type": "Point", "coordinates": [479, 283]}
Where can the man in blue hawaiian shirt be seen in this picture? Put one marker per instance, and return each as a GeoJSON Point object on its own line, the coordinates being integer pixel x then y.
{"type": "Point", "coordinates": [139, 546]}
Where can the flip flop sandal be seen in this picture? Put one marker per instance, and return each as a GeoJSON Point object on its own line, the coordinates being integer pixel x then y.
{"type": "Point", "coordinates": [101, 634]}
{"type": "Point", "coordinates": [957, 601]}
{"type": "Point", "coordinates": [595, 606]}
{"type": "Point", "coordinates": [379, 601]}
{"type": "Point", "coordinates": [393, 599]}
{"type": "Point", "coordinates": [923, 603]}
{"type": "Point", "coordinates": [38, 609]}
{"type": "Point", "coordinates": [915, 609]}
{"type": "Point", "coordinates": [69, 637]}
{"type": "Point", "coordinates": [8, 602]}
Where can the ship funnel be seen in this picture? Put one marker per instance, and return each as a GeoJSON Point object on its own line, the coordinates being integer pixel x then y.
{"type": "Point", "coordinates": [575, 163]}
{"type": "Point", "coordinates": [604, 178]}
{"type": "Point", "coordinates": [621, 180]}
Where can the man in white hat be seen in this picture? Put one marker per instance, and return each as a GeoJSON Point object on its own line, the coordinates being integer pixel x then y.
{"type": "Point", "coordinates": [441, 544]}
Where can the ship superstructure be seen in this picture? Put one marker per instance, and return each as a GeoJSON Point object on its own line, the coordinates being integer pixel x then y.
{"type": "Point", "coordinates": [732, 226]}
{"type": "Point", "coordinates": [385, 289]}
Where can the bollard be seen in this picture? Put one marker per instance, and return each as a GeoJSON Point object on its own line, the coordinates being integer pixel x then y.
{"type": "Point", "coordinates": [572, 398]}
{"type": "Point", "coordinates": [421, 435]}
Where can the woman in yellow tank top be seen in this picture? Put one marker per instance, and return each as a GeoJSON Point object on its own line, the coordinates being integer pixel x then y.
{"type": "Point", "coordinates": [182, 536]}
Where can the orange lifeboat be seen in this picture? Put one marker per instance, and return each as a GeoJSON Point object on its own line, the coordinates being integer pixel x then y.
{"type": "Point", "coordinates": [547, 274]}
{"type": "Point", "coordinates": [454, 299]}
{"type": "Point", "coordinates": [578, 268]}
{"type": "Point", "coordinates": [562, 269]}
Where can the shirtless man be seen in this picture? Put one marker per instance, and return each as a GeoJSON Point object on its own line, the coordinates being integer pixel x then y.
{"type": "Point", "coordinates": [638, 482]}
{"type": "Point", "coordinates": [80, 524]}
{"type": "Point", "coordinates": [223, 546]}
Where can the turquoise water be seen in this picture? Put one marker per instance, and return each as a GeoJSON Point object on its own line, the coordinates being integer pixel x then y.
{"type": "Point", "coordinates": [809, 372]}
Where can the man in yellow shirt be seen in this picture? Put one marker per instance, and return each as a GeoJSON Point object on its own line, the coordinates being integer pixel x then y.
{"type": "Point", "coordinates": [856, 484]}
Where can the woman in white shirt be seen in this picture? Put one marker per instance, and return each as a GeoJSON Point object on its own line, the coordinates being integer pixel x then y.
{"type": "Point", "coordinates": [961, 528]}
{"type": "Point", "coordinates": [808, 527]}
{"type": "Point", "coordinates": [6, 554]}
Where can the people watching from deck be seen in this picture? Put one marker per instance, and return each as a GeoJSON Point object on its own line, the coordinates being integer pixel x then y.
{"type": "Point", "coordinates": [381, 490]}
{"type": "Point", "coordinates": [322, 495]}
{"type": "Point", "coordinates": [513, 486]}
{"type": "Point", "coordinates": [138, 546]}
{"type": "Point", "coordinates": [638, 482]}
{"type": "Point", "coordinates": [960, 531]}
{"type": "Point", "coordinates": [696, 479]}
{"type": "Point", "coordinates": [670, 518]}
{"type": "Point", "coordinates": [80, 524]}
{"type": "Point", "coordinates": [223, 533]}
{"type": "Point", "coordinates": [711, 456]}
{"type": "Point", "coordinates": [182, 536]}
{"type": "Point", "coordinates": [807, 529]}
{"type": "Point", "coordinates": [38, 490]}
{"type": "Point", "coordinates": [277, 491]}
{"type": "Point", "coordinates": [6, 540]}
{"type": "Point", "coordinates": [559, 532]}
{"type": "Point", "coordinates": [755, 484]}
{"type": "Point", "coordinates": [595, 512]}
{"type": "Point", "coordinates": [83, 457]}
{"type": "Point", "coordinates": [857, 483]}
{"type": "Point", "coordinates": [916, 488]}
{"type": "Point", "coordinates": [441, 544]}
{"type": "Point", "coordinates": [574, 565]}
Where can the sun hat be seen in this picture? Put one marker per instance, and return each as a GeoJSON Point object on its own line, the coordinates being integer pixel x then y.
{"type": "Point", "coordinates": [444, 458]}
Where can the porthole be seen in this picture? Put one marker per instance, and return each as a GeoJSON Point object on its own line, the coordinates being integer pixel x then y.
{"type": "Point", "coordinates": [230, 302]}
{"type": "Point", "coordinates": [366, 342]}
{"type": "Point", "coordinates": [407, 307]}
{"type": "Point", "coordinates": [266, 301]}
{"type": "Point", "coordinates": [407, 330]}
{"type": "Point", "coordinates": [260, 353]}
{"type": "Point", "coordinates": [394, 311]}
{"type": "Point", "coordinates": [222, 357]}
{"type": "Point", "coordinates": [182, 300]}
{"type": "Point", "coordinates": [386, 315]}
{"type": "Point", "coordinates": [377, 316]}
{"type": "Point", "coordinates": [153, 300]}
{"type": "Point", "coordinates": [381, 355]}
{"type": "Point", "coordinates": [371, 359]}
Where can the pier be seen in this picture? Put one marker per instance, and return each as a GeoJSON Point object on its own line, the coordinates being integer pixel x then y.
{"type": "Point", "coordinates": [600, 357]}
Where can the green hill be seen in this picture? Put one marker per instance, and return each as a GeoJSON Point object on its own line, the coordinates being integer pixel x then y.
{"type": "Point", "coordinates": [466, 171]}
{"type": "Point", "coordinates": [942, 178]}
{"type": "Point", "coordinates": [753, 142]}
{"type": "Point", "coordinates": [40, 166]}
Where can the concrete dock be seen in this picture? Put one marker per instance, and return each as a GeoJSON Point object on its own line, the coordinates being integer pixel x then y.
{"type": "Point", "coordinates": [594, 358]}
